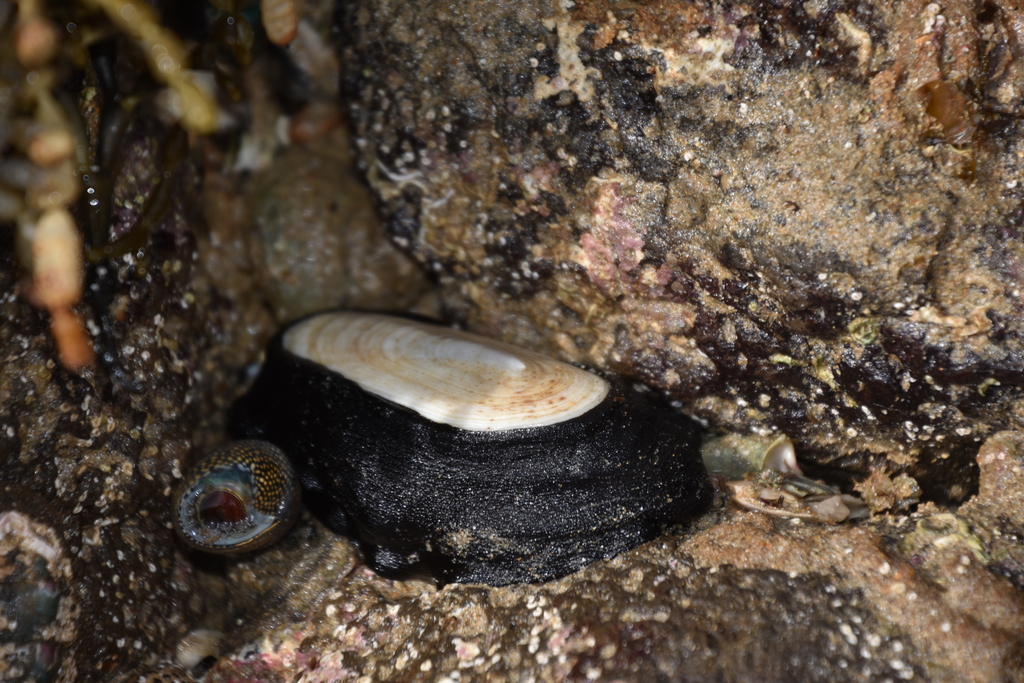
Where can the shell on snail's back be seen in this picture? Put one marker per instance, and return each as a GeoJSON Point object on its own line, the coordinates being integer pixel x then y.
{"type": "Point", "coordinates": [465, 459]}
{"type": "Point", "coordinates": [447, 376]}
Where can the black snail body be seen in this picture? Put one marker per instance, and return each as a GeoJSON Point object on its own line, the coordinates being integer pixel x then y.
{"type": "Point", "coordinates": [468, 460]}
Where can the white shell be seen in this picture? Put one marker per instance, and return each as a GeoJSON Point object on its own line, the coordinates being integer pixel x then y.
{"type": "Point", "coordinates": [447, 376]}
{"type": "Point", "coordinates": [736, 455]}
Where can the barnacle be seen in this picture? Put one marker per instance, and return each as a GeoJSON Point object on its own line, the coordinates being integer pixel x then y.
{"type": "Point", "coordinates": [793, 496]}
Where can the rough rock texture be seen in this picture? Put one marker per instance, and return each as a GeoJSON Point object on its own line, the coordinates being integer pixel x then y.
{"type": "Point", "coordinates": [94, 585]}
{"type": "Point", "coordinates": [661, 195]}
{"type": "Point", "coordinates": [301, 226]}
{"type": "Point", "coordinates": [93, 455]}
{"type": "Point", "coordinates": [739, 596]}
{"type": "Point", "coordinates": [802, 217]}
{"type": "Point", "coordinates": [320, 240]}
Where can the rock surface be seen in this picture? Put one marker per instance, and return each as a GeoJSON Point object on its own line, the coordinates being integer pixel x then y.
{"type": "Point", "coordinates": [92, 456]}
{"type": "Point", "coordinates": [796, 217]}
{"type": "Point", "coordinates": [933, 595]}
{"type": "Point", "coordinates": [660, 194]}
{"type": "Point", "coordinates": [320, 241]}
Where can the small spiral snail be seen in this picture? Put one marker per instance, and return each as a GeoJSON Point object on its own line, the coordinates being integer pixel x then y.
{"type": "Point", "coordinates": [242, 497]}
{"type": "Point", "coordinates": [463, 459]}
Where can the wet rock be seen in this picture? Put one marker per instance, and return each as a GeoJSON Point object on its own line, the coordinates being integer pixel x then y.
{"type": "Point", "coordinates": [321, 244]}
{"type": "Point", "coordinates": [165, 673]}
{"type": "Point", "coordinates": [92, 455]}
{"type": "Point", "coordinates": [646, 221]}
{"type": "Point", "coordinates": [37, 621]}
{"type": "Point", "coordinates": [909, 587]}
{"type": "Point", "coordinates": [801, 218]}
{"type": "Point", "coordinates": [997, 512]}
{"type": "Point", "coordinates": [310, 560]}
{"type": "Point", "coordinates": [738, 596]}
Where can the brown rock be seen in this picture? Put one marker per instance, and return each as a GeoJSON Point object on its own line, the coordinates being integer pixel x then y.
{"type": "Point", "coordinates": [802, 218]}
{"type": "Point", "coordinates": [321, 244]}
{"type": "Point", "coordinates": [997, 512]}
{"type": "Point", "coordinates": [93, 454]}
{"type": "Point", "coordinates": [739, 596]}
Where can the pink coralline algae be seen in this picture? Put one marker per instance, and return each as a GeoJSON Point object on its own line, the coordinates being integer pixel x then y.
{"type": "Point", "coordinates": [614, 242]}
